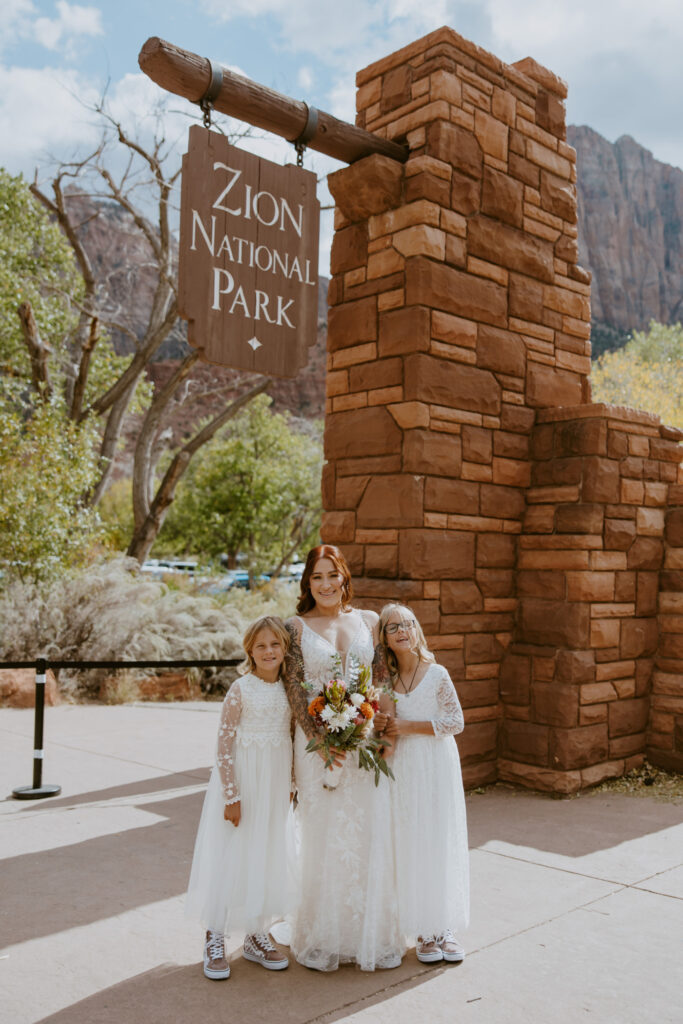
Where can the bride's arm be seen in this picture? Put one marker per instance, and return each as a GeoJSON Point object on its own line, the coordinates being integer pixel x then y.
{"type": "Point", "coordinates": [293, 680]}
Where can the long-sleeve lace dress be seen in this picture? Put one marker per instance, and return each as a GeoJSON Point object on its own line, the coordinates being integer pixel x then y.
{"type": "Point", "coordinates": [239, 878]}
{"type": "Point", "coordinates": [346, 908]}
{"type": "Point", "coordinates": [430, 822]}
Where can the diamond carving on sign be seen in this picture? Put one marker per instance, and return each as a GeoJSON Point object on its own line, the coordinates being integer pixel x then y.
{"type": "Point", "coordinates": [254, 342]}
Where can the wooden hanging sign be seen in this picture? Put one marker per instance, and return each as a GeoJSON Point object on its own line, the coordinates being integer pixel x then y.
{"type": "Point", "coordinates": [248, 259]}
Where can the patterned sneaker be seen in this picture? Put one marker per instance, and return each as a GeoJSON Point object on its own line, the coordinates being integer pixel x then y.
{"type": "Point", "coordinates": [259, 949]}
{"type": "Point", "coordinates": [428, 949]}
{"type": "Point", "coordinates": [451, 948]}
{"type": "Point", "coordinates": [216, 966]}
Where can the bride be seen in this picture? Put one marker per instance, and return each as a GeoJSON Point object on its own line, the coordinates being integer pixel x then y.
{"type": "Point", "coordinates": [347, 909]}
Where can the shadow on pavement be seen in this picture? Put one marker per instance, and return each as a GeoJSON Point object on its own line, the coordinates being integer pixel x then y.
{"type": "Point", "coordinates": [191, 777]}
{"type": "Point", "coordinates": [573, 828]}
{"type": "Point", "coordinates": [75, 885]}
{"type": "Point", "coordinates": [294, 996]}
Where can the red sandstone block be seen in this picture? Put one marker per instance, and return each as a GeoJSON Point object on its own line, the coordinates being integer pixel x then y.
{"type": "Point", "coordinates": [381, 560]}
{"type": "Point", "coordinates": [445, 288]}
{"type": "Point", "coordinates": [495, 582]}
{"type": "Point", "coordinates": [579, 747]}
{"type": "Point", "coordinates": [597, 693]}
{"type": "Point", "coordinates": [348, 491]}
{"type": "Point", "coordinates": [625, 746]}
{"type": "Point", "coordinates": [427, 452]}
{"type": "Point", "coordinates": [619, 534]}
{"type": "Point", "coordinates": [589, 714]}
{"type": "Point", "coordinates": [553, 623]}
{"type": "Point", "coordinates": [604, 633]}
{"type": "Point", "coordinates": [547, 386]}
{"type": "Point", "coordinates": [444, 494]}
{"type": "Point", "coordinates": [476, 444]}
{"type": "Point", "coordinates": [501, 351]}
{"type": "Point", "coordinates": [367, 187]}
{"type": "Point", "coordinates": [460, 596]}
{"type": "Point", "coordinates": [569, 559]}
{"type": "Point", "coordinates": [362, 432]}
{"type": "Point", "coordinates": [338, 527]}
{"type": "Point", "coordinates": [554, 704]}
{"type": "Point", "coordinates": [351, 323]}
{"type": "Point", "coordinates": [404, 330]}
{"type": "Point", "coordinates": [455, 146]}
{"type": "Point", "coordinates": [525, 741]}
{"type": "Point", "coordinates": [645, 553]}
{"type": "Point", "coordinates": [391, 501]}
{"type": "Point", "coordinates": [502, 197]}
{"type": "Point", "coordinates": [510, 472]}
{"type": "Point", "coordinates": [495, 551]}
{"type": "Point", "coordinates": [436, 554]}
{"type": "Point", "coordinates": [457, 386]}
{"type": "Point", "coordinates": [510, 247]}
{"type": "Point", "coordinates": [501, 502]}
{"type": "Point", "coordinates": [590, 586]}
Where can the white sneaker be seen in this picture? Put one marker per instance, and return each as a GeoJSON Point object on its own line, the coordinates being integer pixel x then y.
{"type": "Point", "coordinates": [428, 950]}
{"type": "Point", "coordinates": [216, 966]}
{"type": "Point", "coordinates": [260, 950]}
{"type": "Point", "coordinates": [450, 947]}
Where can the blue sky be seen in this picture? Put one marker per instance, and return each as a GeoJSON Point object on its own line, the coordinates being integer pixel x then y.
{"type": "Point", "coordinates": [621, 59]}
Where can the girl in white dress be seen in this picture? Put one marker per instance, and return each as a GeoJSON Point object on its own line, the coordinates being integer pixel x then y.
{"type": "Point", "coordinates": [239, 874]}
{"type": "Point", "coordinates": [346, 910]}
{"type": "Point", "coordinates": [430, 825]}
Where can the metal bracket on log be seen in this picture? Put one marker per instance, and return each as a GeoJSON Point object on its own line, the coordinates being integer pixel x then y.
{"type": "Point", "coordinates": [186, 74]}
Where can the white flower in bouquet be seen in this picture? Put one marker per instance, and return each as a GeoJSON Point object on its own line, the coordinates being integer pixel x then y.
{"type": "Point", "coordinates": [356, 699]}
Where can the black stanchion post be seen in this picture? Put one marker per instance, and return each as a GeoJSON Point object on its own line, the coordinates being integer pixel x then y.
{"type": "Point", "coordinates": [38, 791]}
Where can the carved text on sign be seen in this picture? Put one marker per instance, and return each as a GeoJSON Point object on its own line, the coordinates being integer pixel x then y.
{"type": "Point", "coordinates": [248, 257]}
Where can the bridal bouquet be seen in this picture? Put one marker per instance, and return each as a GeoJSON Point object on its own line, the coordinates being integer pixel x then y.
{"type": "Point", "coordinates": [344, 712]}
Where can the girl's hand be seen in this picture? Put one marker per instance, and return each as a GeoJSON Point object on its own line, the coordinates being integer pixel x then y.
{"type": "Point", "coordinates": [379, 722]}
{"type": "Point", "coordinates": [233, 813]}
{"type": "Point", "coordinates": [395, 727]}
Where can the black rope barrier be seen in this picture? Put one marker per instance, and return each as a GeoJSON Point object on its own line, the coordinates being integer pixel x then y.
{"type": "Point", "coordinates": [39, 790]}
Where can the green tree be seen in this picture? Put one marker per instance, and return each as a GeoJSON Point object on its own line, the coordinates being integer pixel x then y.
{"type": "Point", "coordinates": [646, 374]}
{"type": "Point", "coordinates": [46, 458]}
{"type": "Point", "coordinates": [47, 463]}
{"type": "Point", "coordinates": [254, 493]}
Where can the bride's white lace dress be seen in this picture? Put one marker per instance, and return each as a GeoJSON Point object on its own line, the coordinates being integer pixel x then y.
{"type": "Point", "coordinates": [347, 910]}
{"type": "Point", "coordinates": [430, 823]}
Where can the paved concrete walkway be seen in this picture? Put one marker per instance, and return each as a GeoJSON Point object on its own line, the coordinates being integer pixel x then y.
{"type": "Point", "coordinates": [577, 904]}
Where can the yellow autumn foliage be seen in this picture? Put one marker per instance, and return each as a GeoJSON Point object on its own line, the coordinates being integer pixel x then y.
{"type": "Point", "coordinates": [646, 374]}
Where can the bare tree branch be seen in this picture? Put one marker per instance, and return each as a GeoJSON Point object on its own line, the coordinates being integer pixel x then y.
{"type": "Point", "coordinates": [146, 534]}
{"type": "Point", "coordinates": [38, 351]}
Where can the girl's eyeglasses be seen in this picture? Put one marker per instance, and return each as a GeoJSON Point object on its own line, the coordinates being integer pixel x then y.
{"type": "Point", "coordinates": [394, 627]}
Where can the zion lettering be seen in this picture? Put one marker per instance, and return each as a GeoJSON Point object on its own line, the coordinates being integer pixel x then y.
{"type": "Point", "coordinates": [224, 284]}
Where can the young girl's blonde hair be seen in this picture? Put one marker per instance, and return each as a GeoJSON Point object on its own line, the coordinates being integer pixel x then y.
{"type": "Point", "coordinates": [421, 649]}
{"type": "Point", "coordinates": [265, 622]}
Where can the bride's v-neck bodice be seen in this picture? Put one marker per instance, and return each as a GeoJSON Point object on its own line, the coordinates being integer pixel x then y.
{"type": "Point", "coordinates": [319, 653]}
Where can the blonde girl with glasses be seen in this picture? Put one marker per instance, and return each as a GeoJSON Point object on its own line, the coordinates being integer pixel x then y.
{"type": "Point", "coordinates": [430, 825]}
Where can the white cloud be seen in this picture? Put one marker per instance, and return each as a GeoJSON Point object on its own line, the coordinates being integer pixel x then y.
{"type": "Point", "coordinates": [72, 21]}
{"type": "Point", "coordinates": [41, 113]}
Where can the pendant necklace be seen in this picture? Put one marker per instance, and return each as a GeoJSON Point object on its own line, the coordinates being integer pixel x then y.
{"type": "Point", "coordinates": [408, 691]}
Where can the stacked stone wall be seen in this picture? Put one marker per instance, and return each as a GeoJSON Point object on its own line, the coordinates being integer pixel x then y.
{"type": "Point", "coordinates": [576, 681]}
{"type": "Point", "coordinates": [459, 322]}
{"type": "Point", "coordinates": [665, 732]}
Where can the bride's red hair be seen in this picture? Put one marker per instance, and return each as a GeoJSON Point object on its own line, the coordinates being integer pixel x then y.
{"type": "Point", "coordinates": [306, 602]}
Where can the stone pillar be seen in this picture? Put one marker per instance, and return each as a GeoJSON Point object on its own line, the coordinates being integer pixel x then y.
{"type": "Point", "coordinates": [576, 680]}
{"type": "Point", "coordinates": [457, 309]}
{"type": "Point", "coordinates": [665, 732]}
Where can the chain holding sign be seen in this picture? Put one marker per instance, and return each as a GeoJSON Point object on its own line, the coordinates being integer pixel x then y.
{"type": "Point", "coordinates": [248, 258]}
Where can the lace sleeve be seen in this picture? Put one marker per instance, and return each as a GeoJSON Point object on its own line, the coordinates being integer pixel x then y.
{"type": "Point", "coordinates": [451, 720]}
{"type": "Point", "coordinates": [293, 680]}
{"type": "Point", "coordinates": [227, 732]}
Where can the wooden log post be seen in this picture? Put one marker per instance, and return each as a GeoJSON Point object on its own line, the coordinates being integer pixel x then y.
{"type": "Point", "coordinates": [186, 74]}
